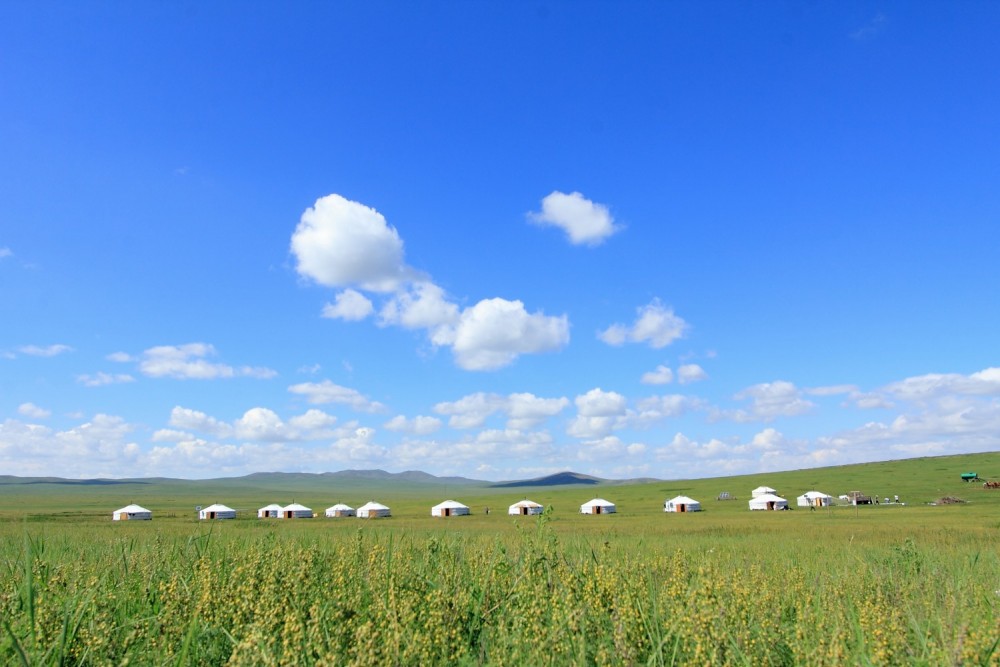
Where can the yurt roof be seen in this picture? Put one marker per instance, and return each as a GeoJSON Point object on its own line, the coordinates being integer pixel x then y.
{"type": "Point", "coordinates": [769, 498]}
{"type": "Point", "coordinates": [765, 489]}
{"type": "Point", "coordinates": [339, 507]}
{"type": "Point", "coordinates": [526, 503]}
{"type": "Point", "coordinates": [684, 500]}
{"type": "Point", "coordinates": [272, 506]}
{"type": "Point", "coordinates": [598, 501]}
{"type": "Point", "coordinates": [295, 507]}
{"type": "Point", "coordinates": [373, 506]}
{"type": "Point", "coordinates": [132, 509]}
{"type": "Point", "coordinates": [450, 504]}
{"type": "Point", "coordinates": [816, 494]}
{"type": "Point", "coordinates": [217, 508]}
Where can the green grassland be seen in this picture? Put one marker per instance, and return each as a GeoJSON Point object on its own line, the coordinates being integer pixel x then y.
{"type": "Point", "coordinates": [911, 583]}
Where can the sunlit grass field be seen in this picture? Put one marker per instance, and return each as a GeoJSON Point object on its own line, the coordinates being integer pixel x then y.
{"type": "Point", "coordinates": [881, 585]}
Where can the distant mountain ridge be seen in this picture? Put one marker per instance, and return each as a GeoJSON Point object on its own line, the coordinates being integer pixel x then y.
{"type": "Point", "coordinates": [567, 478]}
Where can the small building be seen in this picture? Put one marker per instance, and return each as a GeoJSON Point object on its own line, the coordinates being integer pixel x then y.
{"type": "Point", "coordinates": [814, 499]}
{"type": "Point", "coordinates": [598, 506]}
{"type": "Point", "coordinates": [768, 501]}
{"type": "Point", "coordinates": [339, 510]}
{"type": "Point", "coordinates": [525, 508]}
{"type": "Point", "coordinates": [216, 511]}
{"type": "Point", "coordinates": [373, 510]}
{"type": "Point", "coordinates": [761, 491]}
{"type": "Point", "coordinates": [132, 513]}
{"type": "Point", "coordinates": [682, 504]}
{"type": "Point", "coordinates": [449, 508]}
{"type": "Point", "coordinates": [295, 511]}
{"type": "Point", "coordinates": [271, 511]}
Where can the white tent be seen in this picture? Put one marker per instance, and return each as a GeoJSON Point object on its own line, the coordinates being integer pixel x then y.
{"type": "Point", "coordinates": [295, 511]}
{"type": "Point", "coordinates": [768, 501]}
{"type": "Point", "coordinates": [132, 513]}
{"type": "Point", "coordinates": [269, 511]}
{"type": "Point", "coordinates": [525, 507]}
{"type": "Point", "coordinates": [682, 504]}
{"type": "Point", "coordinates": [340, 509]}
{"type": "Point", "coordinates": [373, 510]}
{"type": "Point", "coordinates": [761, 491]}
{"type": "Point", "coordinates": [814, 499]}
{"type": "Point", "coordinates": [217, 511]}
{"type": "Point", "coordinates": [449, 508]}
{"type": "Point", "coordinates": [597, 506]}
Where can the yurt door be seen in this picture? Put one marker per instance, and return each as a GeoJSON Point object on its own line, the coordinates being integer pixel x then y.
{"type": "Point", "coordinates": [524, 510]}
{"type": "Point", "coordinates": [682, 508]}
{"type": "Point", "coordinates": [770, 504]}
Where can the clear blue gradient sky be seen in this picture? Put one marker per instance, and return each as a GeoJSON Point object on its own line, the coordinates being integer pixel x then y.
{"type": "Point", "coordinates": [496, 239]}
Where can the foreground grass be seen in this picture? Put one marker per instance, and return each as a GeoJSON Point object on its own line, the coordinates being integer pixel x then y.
{"type": "Point", "coordinates": [900, 586]}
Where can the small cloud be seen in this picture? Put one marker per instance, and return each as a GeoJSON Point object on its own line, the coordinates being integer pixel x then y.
{"type": "Point", "coordinates": [319, 393]}
{"type": "Point", "coordinates": [188, 362]}
{"type": "Point", "coordinates": [585, 222]}
{"type": "Point", "coordinates": [120, 357]}
{"type": "Point", "coordinates": [32, 411]}
{"type": "Point", "coordinates": [310, 370]}
{"type": "Point", "coordinates": [689, 373]}
{"type": "Point", "coordinates": [660, 375]}
{"type": "Point", "coordinates": [5, 252]}
{"type": "Point", "coordinates": [101, 379]}
{"type": "Point", "coordinates": [655, 324]}
{"type": "Point", "coordinates": [44, 351]}
{"type": "Point", "coordinates": [350, 305]}
{"type": "Point", "coordinates": [495, 332]}
{"type": "Point", "coordinates": [870, 29]}
{"type": "Point", "coordinates": [419, 425]}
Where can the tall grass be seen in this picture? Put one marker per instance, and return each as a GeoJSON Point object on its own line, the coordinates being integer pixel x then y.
{"type": "Point", "coordinates": [177, 593]}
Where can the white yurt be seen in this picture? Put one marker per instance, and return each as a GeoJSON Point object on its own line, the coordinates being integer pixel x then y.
{"type": "Point", "coordinates": [768, 501]}
{"type": "Point", "coordinates": [216, 511]}
{"type": "Point", "coordinates": [339, 510]}
{"type": "Point", "coordinates": [373, 510]}
{"type": "Point", "coordinates": [525, 507]}
{"type": "Point", "coordinates": [132, 513]}
{"type": "Point", "coordinates": [814, 499]}
{"type": "Point", "coordinates": [597, 506]}
{"type": "Point", "coordinates": [295, 511]}
{"type": "Point", "coordinates": [762, 491]}
{"type": "Point", "coordinates": [271, 511]}
{"type": "Point", "coordinates": [449, 508]}
{"type": "Point", "coordinates": [682, 504]}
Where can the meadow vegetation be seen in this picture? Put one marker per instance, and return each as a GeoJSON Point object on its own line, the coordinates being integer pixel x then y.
{"type": "Point", "coordinates": [886, 585]}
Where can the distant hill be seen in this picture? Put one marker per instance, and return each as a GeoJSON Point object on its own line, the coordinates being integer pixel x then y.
{"type": "Point", "coordinates": [410, 476]}
{"type": "Point", "coordinates": [565, 479]}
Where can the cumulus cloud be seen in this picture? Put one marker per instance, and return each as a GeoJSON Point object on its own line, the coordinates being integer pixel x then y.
{"type": "Point", "coordinates": [339, 243]}
{"type": "Point", "coordinates": [256, 425]}
{"type": "Point", "coordinates": [655, 324]}
{"type": "Point", "coordinates": [187, 362]}
{"type": "Point", "coordinates": [319, 393]}
{"type": "Point", "coordinates": [422, 306]}
{"type": "Point", "coordinates": [419, 425]}
{"type": "Point", "coordinates": [933, 385]}
{"type": "Point", "coordinates": [523, 410]}
{"type": "Point", "coordinates": [349, 305]}
{"type": "Point", "coordinates": [768, 401]}
{"type": "Point", "coordinates": [598, 413]}
{"type": "Point", "coordinates": [97, 448]}
{"type": "Point", "coordinates": [44, 350]}
{"type": "Point", "coordinates": [120, 357]}
{"type": "Point", "coordinates": [688, 373]}
{"type": "Point", "coordinates": [32, 411]}
{"type": "Point", "coordinates": [660, 375]}
{"type": "Point", "coordinates": [494, 332]}
{"type": "Point", "coordinates": [585, 222]}
{"type": "Point", "coordinates": [102, 379]}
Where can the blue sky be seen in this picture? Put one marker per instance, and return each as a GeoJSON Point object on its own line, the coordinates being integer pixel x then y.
{"type": "Point", "coordinates": [496, 239]}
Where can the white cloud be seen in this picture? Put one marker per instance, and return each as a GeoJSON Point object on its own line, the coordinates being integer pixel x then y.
{"type": "Point", "coordinates": [185, 362]}
{"type": "Point", "coordinates": [655, 324]}
{"type": "Point", "coordinates": [101, 379]}
{"type": "Point", "coordinates": [598, 413]}
{"type": "Point", "coordinates": [471, 411]}
{"type": "Point", "coordinates": [660, 375]}
{"type": "Point", "coordinates": [5, 252]}
{"type": "Point", "coordinates": [98, 448]}
{"type": "Point", "coordinates": [349, 305]}
{"type": "Point", "coordinates": [256, 425]}
{"type": "Point", "coordinates": [419, 425]}
{"type": "Point", "coordinates": [526, 411]}
{"type": "Point", "coordinates": [319, 393]}
{"type": "Point", "coordinates": [585, 222]}
{"type": "Point", "coordinates": [422, 306]}
{"type": "Point", "coordinates": [832, 390]}
{"type": "Point", "coordinates": [120, 357]}
{"type": "Point", "coordinates": [339, 243]}
{"type": "Point", "coordinates": [768, 401]}
{"type": "Point", "coordinates": [523, 410]}
{"type": "Point", "coordinates": [923, 387]}
{"type": "Point", "coordinates": [44, 351]}
{"type": "Point", "coordinates": [494, 332]}
{"type": "Point", "coordinates": [688, 373]}
{"type": "Point", "coordinates": [32, 411]}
